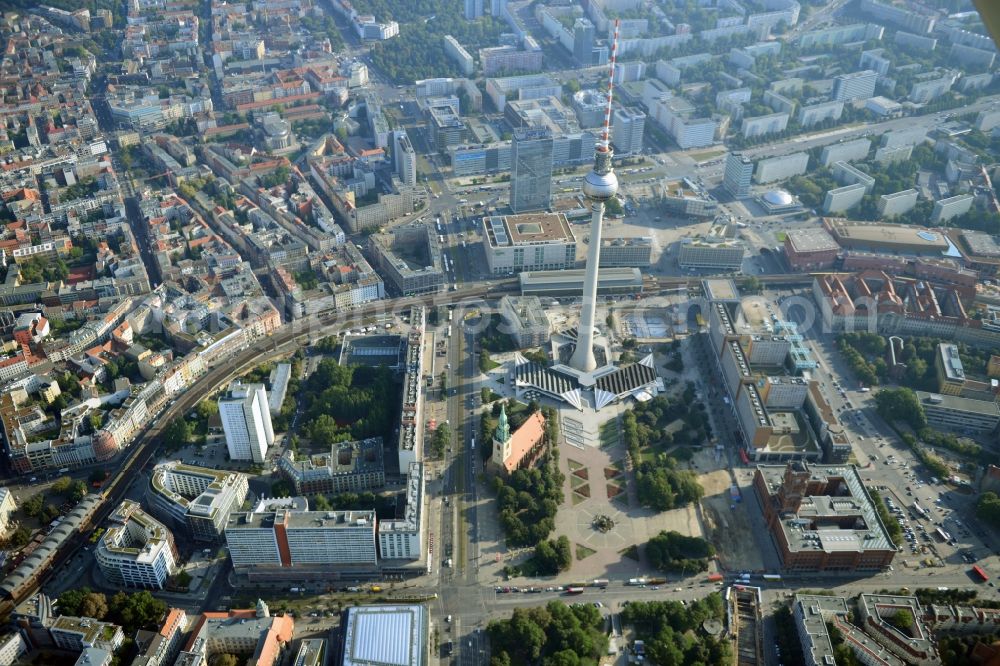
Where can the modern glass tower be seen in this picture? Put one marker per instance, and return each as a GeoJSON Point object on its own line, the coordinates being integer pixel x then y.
{"type": "Point", "coordinates": [531, 170]}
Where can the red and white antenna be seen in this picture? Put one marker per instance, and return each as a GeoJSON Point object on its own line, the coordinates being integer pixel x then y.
{"type": "Point", "coordinates": [606, 133]}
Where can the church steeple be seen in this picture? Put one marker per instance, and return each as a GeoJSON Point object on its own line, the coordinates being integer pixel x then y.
{"type": "Point", "coordinates": [502, 433]}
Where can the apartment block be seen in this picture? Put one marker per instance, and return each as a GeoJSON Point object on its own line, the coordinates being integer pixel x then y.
{"type": "Point", "coordinates": [897, 203]}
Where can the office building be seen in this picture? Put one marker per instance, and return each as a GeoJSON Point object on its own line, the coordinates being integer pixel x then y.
{"type": "Point", "coordinates": [446, 127]}
{"type": "Point", "coordinates": [136, 550]}
{"type": "Point", "coordinates": [945, 209]}
{"type": "Point", "coordinates": [949, 369]}
{"type": "Point", "coordinates": [856, 85]}
{"type": "Point", "coordinates": [583, 42]}
{"type": "Point", "coordinates": [405, 158]}
{"type": "Point", "coordinates": [711, 253]}
{"type": "Point", "coordinates": [249, 631]}
{"type": "Point", "coordinates": [896, 203]}
{"type": "Point", "coordinates": [627, 126]}
{"type": "Point", "coordinates": [682, 197]}
{"type": "Point", "coordinates": [282, 540]}
{"type": "Point", "coordinates": [507, 59]}
{"type": "Point", "coordinates": [197, 499]}
{"type": "Point", "coordinates": [531, 170]}
{"type": "Point", "coordinates": [409, 258]}
{"type": "Point", "coordinates": [246, 420]}
{"type": "Point", "coordinates": [822, 518]}
{"type": "Point", "coordinates": [738, 175]}
{"type": "Point", "coordinates": [956, 415]}
{"type": "Point", "coordinates": [349, 467]}
{"type": "Point", "coordinates": [7, 507]}
{"type": "Point", "coordinates": [402, 538]}
{"type": "Point", "coordinates": [530, 242]}
{"type": "Point", "coordinates": [13, 646]}
{"type": "Point", "coordinates": [478, 159]}
{"type": "Point", "coordinates": [383, 635]}
{"type": "Point", "coordinates": [78, 633]}
{"type": "Point", "coordinates": [160, 647]}
{"type": "Point", "coordinates": [634, 251]}
{"type": "Point", "coordinates": [473, 9]}
{"type": "Point", "coordinates": [810, 249]}
{"type": "Point", "coordinates": [525, 318]}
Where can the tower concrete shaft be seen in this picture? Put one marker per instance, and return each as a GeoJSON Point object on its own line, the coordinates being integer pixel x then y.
{"type": "Point", "coordinates": [583, 356]}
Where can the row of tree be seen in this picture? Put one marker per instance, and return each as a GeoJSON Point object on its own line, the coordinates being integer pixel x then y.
{"type": "Point", "coordinates": [673, 632]}
{"type": "Point", "coordinates": [672, 551]}
{"type": "Point", "coordinates": [527, 502]}
{"type": "Point", "coordinates": [132, 611]}
{"type": "Point", "coordinates": [553, 635]}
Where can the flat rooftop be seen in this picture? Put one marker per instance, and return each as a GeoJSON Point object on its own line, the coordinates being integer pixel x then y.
{"type": "Point", "coordinates": [303, 519]}
{"type": "Point", "coordinates": [720, 290]}
{"type": "Point", "coordinates": [981, 243]}
{"type": "Point", "coordinates": [954, 402]}
{"type": "Point", "coordinates": [835, 514]}
{"type": "Point", "coordinates": [811, 240]}
{"type": "Point", "coordinates": [529, 229]}
{"type": "Point", "coordinates": [889, 235]}
{"type": "Point", "coordinates": [385, 636]}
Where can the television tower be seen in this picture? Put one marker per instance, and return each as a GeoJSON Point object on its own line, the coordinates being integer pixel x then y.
{"type": "Point", "coordinates": [600, 185]}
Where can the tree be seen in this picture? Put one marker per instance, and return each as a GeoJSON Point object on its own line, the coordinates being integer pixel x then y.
{"type": "Point", "coordinates": [77, 491]}
{"type": "Point", "coordinates": [901, 405]}
{"type": "Point", "coordinates": [672, 551]}
{"type": "Point", "coordinates": [182, 579]}
{"type": "Point", "coordinates": [33, 505]}
{"type": "Point", "coordinates": [18, 538]}
{"type": "Point", "coordinates": [136, 611]}
{"type": "Point", "coordinates": [177, 434]}
{"type": "Point", "coordinates": [94, 605]}
{"type": "Point", "coordinates": [988, 508]}
{"type": "Point", "coordinates": [224, 659]}
{"type": "Point", "coordinates": [61, 485]}
{"type": "Point", "coordinates": [97, 476]}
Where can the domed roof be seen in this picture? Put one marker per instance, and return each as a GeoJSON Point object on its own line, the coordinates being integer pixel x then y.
{"type": "Point", "coordinates": [778, 198]}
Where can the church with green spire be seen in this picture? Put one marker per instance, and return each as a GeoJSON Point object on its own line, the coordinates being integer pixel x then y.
{"type": "Point", "coordinates": [518, 449]}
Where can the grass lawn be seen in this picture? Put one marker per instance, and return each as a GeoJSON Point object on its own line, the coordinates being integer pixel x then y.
{"type": "Point", "coordinates": [582, 552]}
{"type": "Point", "coordinates": [780, 236]}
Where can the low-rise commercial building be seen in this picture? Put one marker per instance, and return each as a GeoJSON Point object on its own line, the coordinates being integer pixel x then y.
{"type": "Point", "coordinates": [953, 414]}
{"type": "Point", "coordinates": [711, 253]}
{"type": "Point", "coordinates": [397, 635]}
{"type": "Point", "coordinates": [810, 249]}
{"type": "Point", "coordinates": [250, 631]}
{"type": "Point", "coordinates": [525, 319]}
{"type": "Point", "coordinates": [349, 467]}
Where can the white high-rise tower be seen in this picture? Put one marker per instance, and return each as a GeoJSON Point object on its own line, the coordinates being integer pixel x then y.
{"type": "Point", "coordinates": [246, 421]}
{"type": "Point", "coordinates": [599, 186]}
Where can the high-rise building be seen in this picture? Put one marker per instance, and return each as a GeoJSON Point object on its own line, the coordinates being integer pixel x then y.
{"type": "Point", "coordinates": [738, 174]}
{"type": "Point", "coordinates": [405, 158]}
{"type": "Point", "coordinates": [583, 42]}
{"type": "Point", "coordinates": [531, 175]}
{"type": "Point", "coordinates": [473, 9]}
{"type": "Point", "coordinates": [626, 130]}
{"type": "Point", "coordinates": [856, 85]}
{"type": "Point", "coordinates": [246, 421]}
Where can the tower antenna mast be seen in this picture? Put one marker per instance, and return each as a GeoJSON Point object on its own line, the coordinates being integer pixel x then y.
{"type": "Point", "coordinates": [606, 133]}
